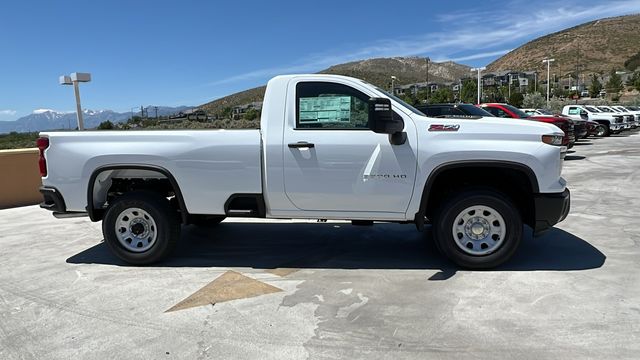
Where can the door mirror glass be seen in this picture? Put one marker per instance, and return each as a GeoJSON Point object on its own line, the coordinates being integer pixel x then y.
{"type": "Point", "coordinates": [381, 119]}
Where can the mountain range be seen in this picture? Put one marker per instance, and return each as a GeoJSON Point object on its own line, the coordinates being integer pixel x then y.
{"type": "Point", "coordinates": [377, 71]}
{"type": "Point", "coordinates": [594, 47]}
{"type": "Point", "coordinates": [45, 119]}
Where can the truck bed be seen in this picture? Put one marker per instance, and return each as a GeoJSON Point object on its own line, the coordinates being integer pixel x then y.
{"type": "Point", "coordinates": [208, 165]}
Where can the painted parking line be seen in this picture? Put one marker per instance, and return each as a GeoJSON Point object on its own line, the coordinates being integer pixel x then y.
{"type": "Point", "coordinates": [229, 286]}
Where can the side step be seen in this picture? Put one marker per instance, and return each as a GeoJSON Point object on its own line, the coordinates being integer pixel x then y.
{"type": "Point", "coordinates": [245, 205]}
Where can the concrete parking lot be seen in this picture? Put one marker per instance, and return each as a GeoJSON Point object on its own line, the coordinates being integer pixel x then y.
{"type": "Point", "coordinates": [295, 289]}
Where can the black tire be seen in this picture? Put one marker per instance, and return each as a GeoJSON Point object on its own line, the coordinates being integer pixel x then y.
{"type": "Point", "coordinates": [455, 206]}
{"type": "Point", "coordinates": [164, 217]}
{"type": "Point", "coordinates": [603, 131]}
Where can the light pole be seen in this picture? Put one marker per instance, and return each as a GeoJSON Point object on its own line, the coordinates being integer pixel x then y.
{"type": "Point", "coordinates": [510, 82]}
{"type": "Point", "coordinates": [428, 87]}
{"type": "Point", "coordinates": [479, 70]}
{"type": "Point", "coordinates": [548, 61]}
{"type": "Point", "coordinates": [74, 79]}
{"type": "Point", "coordinates": [393, 79]}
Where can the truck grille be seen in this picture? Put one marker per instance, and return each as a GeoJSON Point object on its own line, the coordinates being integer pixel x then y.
{"type": "Point", "coordinates": [618, 119]}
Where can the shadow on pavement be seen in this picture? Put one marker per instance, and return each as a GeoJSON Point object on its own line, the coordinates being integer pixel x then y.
{"type": "Point", "coordinates": [583, 143]}
{"type": "Point", "coordinates": [343, 246]}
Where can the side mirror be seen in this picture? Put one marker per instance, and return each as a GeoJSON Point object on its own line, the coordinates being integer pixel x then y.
{"type": "Point", "coordinates": [381, 119]}
{"type": "Point", "coordinates": [583, 114]}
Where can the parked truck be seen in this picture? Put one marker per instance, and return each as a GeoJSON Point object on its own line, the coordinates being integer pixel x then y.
{"type": "Point", "coordinates": [610, 123]}
{"type": "Point", "coordinates": [328, 147]}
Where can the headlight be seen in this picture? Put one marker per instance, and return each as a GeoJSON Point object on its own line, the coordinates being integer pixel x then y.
{"type": "Point", "coordinates": [555, 139]}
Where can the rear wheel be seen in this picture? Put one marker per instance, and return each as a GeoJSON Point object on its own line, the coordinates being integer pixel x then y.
{"type": "Point", "coordinates": [478, 229]}
{"type": "Point", "coordinates": [141, 227]}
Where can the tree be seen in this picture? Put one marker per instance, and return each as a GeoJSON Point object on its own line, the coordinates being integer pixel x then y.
{"type": "Point", "coordinates": [634, 81]}
{"type": "Point", "coordinates": [633, 62]}
{"type": "Point", "coordinates": [251, 114]}
{"type": "Point", "coordinates": [614, 85]}
{"type": "Point", "coordinates": [516, 99]}
{"type": "Point", "coordinates": [534, 101]}
{"type": "Point", "coordinates": [469, 92]}
{"type": "Point", "coordinates": [442, 95]}
{"type": "Point", "coordinates": [596, 86]}
{"type": "Point", "coordinates": [105, 125]}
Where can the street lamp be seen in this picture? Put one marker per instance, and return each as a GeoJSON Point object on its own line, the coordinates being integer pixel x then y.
{"type": "Point", "coordinates": [479, 69]}
{"type": "Point", "coordinates": [548, 61]}
{"type": "Point", "coordinates": [74, 79]}
{"type": "Point", "coordinates": [393, 79]}
{"type": "Point", "coordinates": [428, 87]}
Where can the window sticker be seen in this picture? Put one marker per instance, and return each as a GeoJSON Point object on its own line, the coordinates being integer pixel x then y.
{"type": "Point", "coordinates": [325, 109]}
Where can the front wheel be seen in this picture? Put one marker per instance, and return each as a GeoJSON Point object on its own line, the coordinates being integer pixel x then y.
{"type": "Point", "coordinates": [601, 131]}
{"type": "Point", "coordinates": [141, 227]}
{"type": "Point", "coordinates": [478, 229]}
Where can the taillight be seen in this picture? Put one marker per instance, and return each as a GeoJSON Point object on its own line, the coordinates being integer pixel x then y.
{"type": "Point", "coordinates": [43, 144]}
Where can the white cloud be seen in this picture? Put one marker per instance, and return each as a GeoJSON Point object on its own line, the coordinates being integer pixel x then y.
{"type": "Point", "coordinates": [8, 112]}
{"type": "Point", "coordinates": [480, 32]}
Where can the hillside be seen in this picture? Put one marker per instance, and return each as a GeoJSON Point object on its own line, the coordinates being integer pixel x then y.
{"type": "Point", "coordinates": [602, 45]}
{"type": "Point", "coordinates": [376, 71]}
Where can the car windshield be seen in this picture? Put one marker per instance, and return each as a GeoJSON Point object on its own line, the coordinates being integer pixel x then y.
{"type": "Point", "coordinates": [395, 98]}
{"type": "Point", "coordinates": [607, 109]}
{"type": "Point", "coordinates": [473, 110]}
{"type": "Point", "coordinates": [634, 108]}
{"type": "Point", "coordinates": [592, 109]}
{"type": "Point", "coordinates": [519, 113]}
{"type": "Point", "coordinates": [544, 112]}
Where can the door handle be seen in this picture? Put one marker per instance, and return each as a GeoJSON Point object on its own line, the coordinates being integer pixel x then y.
{"type": "Point", "coordinates": [301, 144]}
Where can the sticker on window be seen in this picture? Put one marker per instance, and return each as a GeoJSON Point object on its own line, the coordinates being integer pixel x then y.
{"type": "Point", "coordinates": [325, 109]}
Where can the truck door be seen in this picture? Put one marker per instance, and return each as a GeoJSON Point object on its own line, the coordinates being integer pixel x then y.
{"type": "Point", "coordinates": [333, 162]}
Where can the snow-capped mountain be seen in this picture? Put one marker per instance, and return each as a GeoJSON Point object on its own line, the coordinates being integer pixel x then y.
{"type": "Point", "coordinates": [47, 119]}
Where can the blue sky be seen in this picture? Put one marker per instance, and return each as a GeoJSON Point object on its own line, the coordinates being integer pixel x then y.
{"type": "Point", "coordinates": [190, 52]}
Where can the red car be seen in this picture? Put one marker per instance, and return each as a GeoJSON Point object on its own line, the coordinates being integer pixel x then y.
{"type": "Point", "coordinates": [508, 111]}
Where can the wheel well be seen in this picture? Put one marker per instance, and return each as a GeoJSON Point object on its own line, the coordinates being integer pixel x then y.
{"type": "Point", "coordinates": [106, 184]}
{"type": "Point", "coordinates": [514, 183]}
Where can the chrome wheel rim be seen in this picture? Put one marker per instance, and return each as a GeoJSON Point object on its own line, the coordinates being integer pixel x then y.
{"type": "Point", "coordinates": [136, 230]}
{"type": "Point", "coordinates": [479, 230]}
{"type": "Point", "coordinates": [601, 130]}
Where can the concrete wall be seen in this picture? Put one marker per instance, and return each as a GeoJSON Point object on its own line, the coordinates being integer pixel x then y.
{"type": "Point", "coordinates": [19, 178]}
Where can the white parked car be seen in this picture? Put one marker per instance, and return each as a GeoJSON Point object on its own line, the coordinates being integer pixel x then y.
{"type": "Point", "coordinates": [329, 147]}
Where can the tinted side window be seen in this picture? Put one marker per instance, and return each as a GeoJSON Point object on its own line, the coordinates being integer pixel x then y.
{"type": "Point", "coordinates": [324, 105]}
{"type": "Point", "coordinates": [493, 111]}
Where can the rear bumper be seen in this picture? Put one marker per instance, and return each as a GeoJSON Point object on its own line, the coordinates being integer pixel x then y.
{"type": "Point", "coordinates": [551, 209]}
{"type": "Point", "coordinates": [53, 200]}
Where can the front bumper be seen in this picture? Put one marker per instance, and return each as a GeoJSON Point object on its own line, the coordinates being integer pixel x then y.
{"type": "Point", "coordinates": [551, 209]}
{"type": "Point", "coordinates": [616, 127]}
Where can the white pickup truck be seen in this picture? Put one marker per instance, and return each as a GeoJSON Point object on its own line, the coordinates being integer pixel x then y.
{"type": "Point", "coordinates": [612, 123]}
{"type": "Point", "coordinates": [329, 147]}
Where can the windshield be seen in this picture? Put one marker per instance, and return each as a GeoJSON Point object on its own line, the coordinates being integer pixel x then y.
{"type": "Point", "coordinates": [607, 109]}
{"type": "Point", "coordinates": [395, 98]}
{"type": "Point", "coordinates": [473, 110]}
{"type": "Point", "coordinates": [592, 109]}
{"type": "Point", "coordinates": [544, 112]}
{"type": "Point", "coordinates": [519, 113]}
